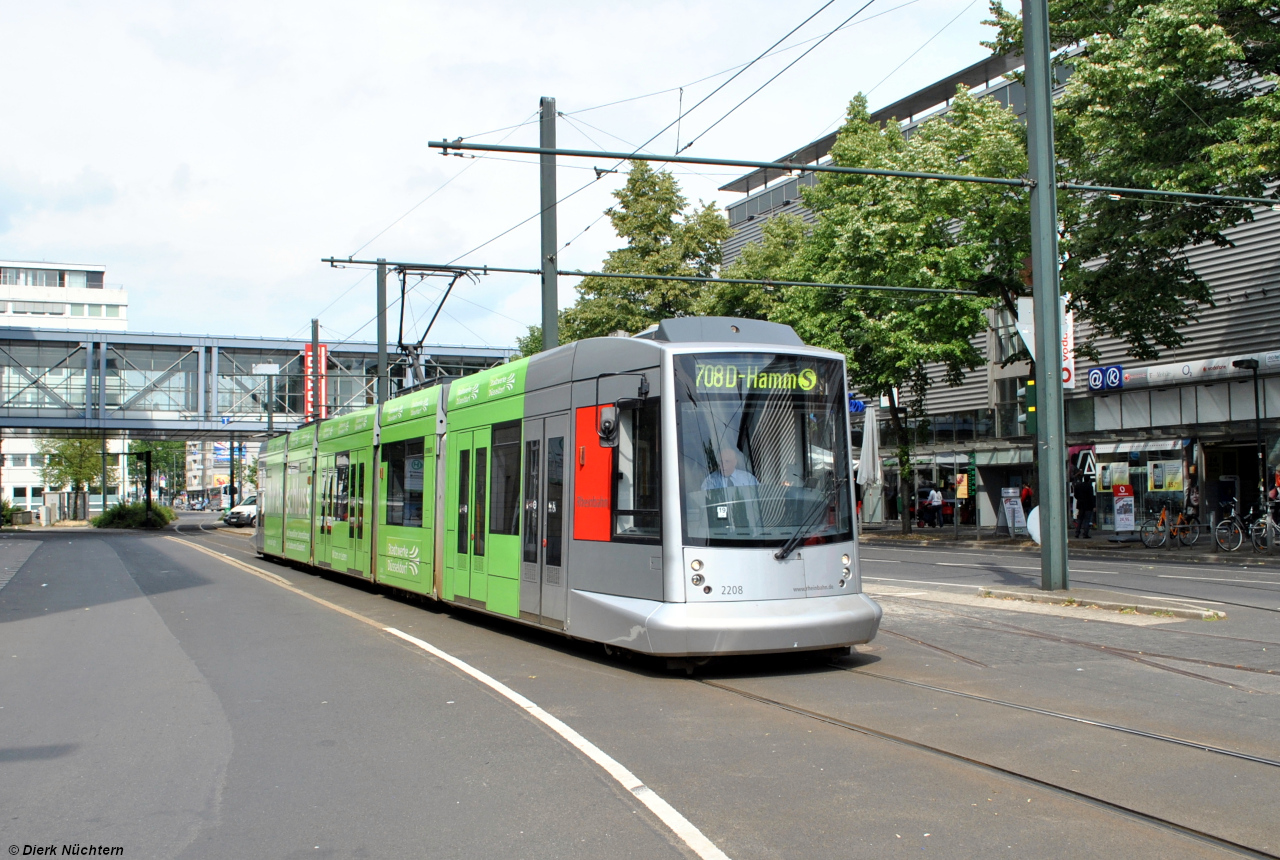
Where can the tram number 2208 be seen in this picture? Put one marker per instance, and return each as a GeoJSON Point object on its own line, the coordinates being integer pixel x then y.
{"type": "Point", "coordinates": [731, 589]}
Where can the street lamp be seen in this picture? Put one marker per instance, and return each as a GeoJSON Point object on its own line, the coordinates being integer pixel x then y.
{"type": "Point", "coordinates": [1252, 364]}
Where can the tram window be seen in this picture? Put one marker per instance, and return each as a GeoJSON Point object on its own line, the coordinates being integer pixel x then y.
{"type": "Point", "coordinates": [405, 469]}
{"type": "Point", "coordinates": [637, 494]}
{"type": "Point", "coordinates": [504, 482]}
{"type": "Point", "coordinates": [482, 460]}
{"type": "Point", "coordinates": [341, 496]}
{"type": "Point", "coordinates": [464, 493]}
{"type": "Point", "coordinates": [555, 499]}
{"type": "Point", "coordinates": [530, 541]}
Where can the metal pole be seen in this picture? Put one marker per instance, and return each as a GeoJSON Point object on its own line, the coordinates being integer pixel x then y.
{"type": "Point", "coordinates": [148, 459]}
{"type": "Point", "coordinates": [231, 469]}
{"type": "Point", "coordinates": [1050, 441]}
{"type": "Point", "coordinates": [547, 173]}
{"type": "Point", "coordinates": [1257, 429]}
{"type": "Point", "coordinates": [271, 396]}
{"type": "Point", "coordinates": [955, 504]}
{"type": "Point", "coordinates": [383, 380]}
{"type": "Point", "coordinates": [104, 476]}
{"type": "Point", "coordinates": [315, 370]}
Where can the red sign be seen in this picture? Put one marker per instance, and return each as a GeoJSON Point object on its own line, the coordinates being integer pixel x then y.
{"type": "Point", "coordinates": [308, 369]}
{"type": "Point", "coordinates": [1122, 491]}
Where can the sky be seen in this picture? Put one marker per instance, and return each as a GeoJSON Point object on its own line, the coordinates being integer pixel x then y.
{"type": "Point", "coordinates": [209, 154]}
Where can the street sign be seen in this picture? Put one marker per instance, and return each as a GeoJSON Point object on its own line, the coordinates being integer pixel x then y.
{"type": "Point", "coordinates": [1106, 378]}
{"type": "Point", "coordinates": [226, 419]}
{"type": "Point", "coordinates": [856, 405]}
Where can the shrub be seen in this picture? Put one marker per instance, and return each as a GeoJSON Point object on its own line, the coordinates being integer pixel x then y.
{"type": "Point", "coordinates": [133, 516]}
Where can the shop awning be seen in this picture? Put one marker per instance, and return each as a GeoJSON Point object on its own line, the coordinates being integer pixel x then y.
{"type": "Point", "coordinates": [1149, 445]}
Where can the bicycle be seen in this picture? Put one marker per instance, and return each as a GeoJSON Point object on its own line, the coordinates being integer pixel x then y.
{"type": "Point", "coordinates": [1261, 526]}
{"type": "Point", "coordinates": [1229, 533]}
{"type": "Point", "coordinates": [1157, 530]}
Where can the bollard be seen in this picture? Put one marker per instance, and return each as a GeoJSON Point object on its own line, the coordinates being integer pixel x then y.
{"type": "Point", "coordinates": [1213, 532]}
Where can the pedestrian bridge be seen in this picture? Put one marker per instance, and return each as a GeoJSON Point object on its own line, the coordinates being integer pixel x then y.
{"type": "Point", "coordinates": [188, 386]}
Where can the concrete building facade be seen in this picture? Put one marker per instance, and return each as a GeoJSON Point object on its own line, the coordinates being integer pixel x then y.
{"type": "Point", "coordinates": [1179, 429]}
{"type": "Point", "coordinates": [58, 296]}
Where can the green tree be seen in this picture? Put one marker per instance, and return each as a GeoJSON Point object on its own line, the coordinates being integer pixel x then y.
{"type": "Point", "coordinates": [75, 463]}
{"type": "Point", "coordinates": [167, 458]}
{"type": "Point", "coordinates": [902, 233]}
{"type": "Point", "coordinates": [1177, 95]}
{"type": "Point", "coordinates": [662, 239]}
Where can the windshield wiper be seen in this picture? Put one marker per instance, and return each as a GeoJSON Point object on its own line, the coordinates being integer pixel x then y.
{"type": "Point", "coordinates": [803, 532]}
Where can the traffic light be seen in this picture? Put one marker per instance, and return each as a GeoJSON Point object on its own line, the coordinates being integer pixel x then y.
{"type": "Point", "coordinates": [1030, 398]}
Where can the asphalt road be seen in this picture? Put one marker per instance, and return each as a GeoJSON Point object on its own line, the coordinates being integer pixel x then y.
{"type": "Point", "coordinates": [169, 701]}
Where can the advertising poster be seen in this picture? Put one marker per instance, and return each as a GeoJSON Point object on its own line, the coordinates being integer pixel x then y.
{"type": "Point", "coordinates": [1013, 508]}
{"type": "Point", "coordinates": [1164, 476]}
{"type": "Point", "coordinates": [1112, 474]}
{"type": "Point", "coordinates": [962, 485]}
{"type": "Point", "coordinates": [1123, 502]}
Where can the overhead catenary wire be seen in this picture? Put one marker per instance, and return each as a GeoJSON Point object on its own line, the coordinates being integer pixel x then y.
{"type": "Point", "coordinates": [923, 45]}
{"type": "Point", "coordinates": [714, 75]}
{"type": "Point", "coordinates": [453, 269]}
{"type": "Point", "coordinates": [781, 72]}
{"type": "Point", "coordinates": [438, 189]}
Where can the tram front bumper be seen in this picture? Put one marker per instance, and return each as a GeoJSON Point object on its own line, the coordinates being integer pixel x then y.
{"type": "Point", "coordinates": [734, 627]}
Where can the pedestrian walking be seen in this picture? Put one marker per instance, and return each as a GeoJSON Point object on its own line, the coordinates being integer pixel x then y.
{"type": "Point", "coordinates": [1086, 503]}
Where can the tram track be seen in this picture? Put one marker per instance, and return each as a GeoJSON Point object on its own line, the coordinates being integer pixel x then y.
{"type": "Point", "coordinates": [1119, 809]}
{"type": "Point", "coordinates": [1155, 736]}
{"type": "Point", "coordinates": [1123, 653]}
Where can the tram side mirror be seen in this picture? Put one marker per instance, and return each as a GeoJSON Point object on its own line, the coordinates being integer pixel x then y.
{"type": "Point", "coordinates": [608, 427]}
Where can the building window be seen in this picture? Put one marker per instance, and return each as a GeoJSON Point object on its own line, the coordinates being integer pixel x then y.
{"type": "Point", "coordinates": [52, 308]}
{"type": "Point", "coordinates": [113, 310]}
{"type": "Point", "coordinates": [20, 493]}
{"type": "Point", "coordinates": [77, 279]}
{"type": "Point", "coordinates": [77, 310]}
{"type": "Point", "coordinates": [95, 310]}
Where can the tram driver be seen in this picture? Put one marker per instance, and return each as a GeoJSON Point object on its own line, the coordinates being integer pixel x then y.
{"type": "Point", "coordinates": [729, 505]}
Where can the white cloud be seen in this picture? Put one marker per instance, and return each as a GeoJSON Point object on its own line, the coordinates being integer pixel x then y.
{"type": "Point", "coordinates": [209, 154]}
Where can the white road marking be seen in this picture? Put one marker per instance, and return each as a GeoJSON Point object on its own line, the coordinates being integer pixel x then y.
{"type": "Point", "coordinates": [1210, 579]}
{"type": "Point", "coordinates": [681, 826]}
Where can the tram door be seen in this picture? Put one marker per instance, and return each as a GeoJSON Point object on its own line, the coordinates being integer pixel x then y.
{"type": "Point", "coordinates": [466, 526]}
{"type": "Point", "coordinates": [542, 586]}
{"type": "Point", "coordinates": [339, 510]}
{"type": "Point", "coordinates": [357, 533]}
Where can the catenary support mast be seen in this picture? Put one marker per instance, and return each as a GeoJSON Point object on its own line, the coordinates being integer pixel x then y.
{"type": "Point", "coordinates": [547, 173]}
{"type": "Point", "coordinates": [383, 380]}
{"type": "Point", "coordinates": [1050, 431]}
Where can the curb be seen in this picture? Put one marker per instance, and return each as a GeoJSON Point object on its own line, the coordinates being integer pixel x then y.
{"type": "Point", "coordinates": [1100, 552]}
{"type": "Point", "coordinates": [1139, 608]}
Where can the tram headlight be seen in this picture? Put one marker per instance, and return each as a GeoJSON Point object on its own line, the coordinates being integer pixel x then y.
{"type": "Point", "coordinates": [698, 579]}
{"type": "Point", "coordinates": [696, 564]}
{"type": "Point", "coordinates": [844, 559]}
{"type": "Point", "coordinates": [844, 572]}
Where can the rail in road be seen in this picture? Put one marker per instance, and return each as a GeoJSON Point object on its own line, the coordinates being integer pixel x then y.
{"type": "Point", "coordinates": [970, 730]}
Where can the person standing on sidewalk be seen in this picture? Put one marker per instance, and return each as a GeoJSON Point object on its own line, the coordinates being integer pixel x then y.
{"type": "Point", "coordinates": [1086, 503]}
{"type": "Point", "coordinates": [935, 508]}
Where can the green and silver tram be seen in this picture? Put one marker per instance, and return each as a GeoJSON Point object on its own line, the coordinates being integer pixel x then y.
{"type": "Point", "coordinates": [683, 492]}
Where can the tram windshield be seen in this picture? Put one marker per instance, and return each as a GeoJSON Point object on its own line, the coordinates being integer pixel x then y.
{"type": "Point", "coordinates": [763, 449]}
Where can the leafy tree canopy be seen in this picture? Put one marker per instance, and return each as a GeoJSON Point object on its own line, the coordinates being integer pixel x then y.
{"type": "Point", "coordinates": [1178, 95]}
{"type": "Point", "coordinates": [664, 237]}
{"type": "Point", "coordinates": [75, 463]}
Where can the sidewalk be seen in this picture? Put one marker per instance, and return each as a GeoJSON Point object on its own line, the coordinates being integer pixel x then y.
{"type": "Point", "coordinates": [1099, 546]}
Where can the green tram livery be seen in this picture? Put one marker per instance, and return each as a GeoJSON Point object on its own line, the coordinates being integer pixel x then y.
{"type": "Point", "coordinates": [685, 492]}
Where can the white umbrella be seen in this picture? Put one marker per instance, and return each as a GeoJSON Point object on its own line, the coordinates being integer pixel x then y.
{"type": "Point", "coordinates": [870, 471]}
